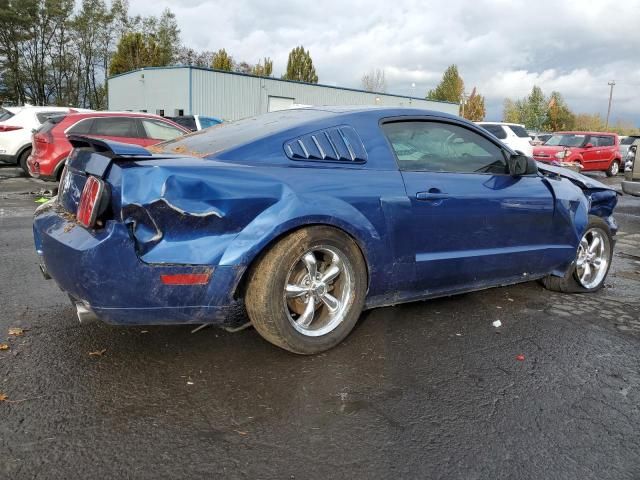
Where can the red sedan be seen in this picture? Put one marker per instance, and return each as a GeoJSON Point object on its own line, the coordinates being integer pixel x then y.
{"type": "Point", "coordinates": [50, 146]}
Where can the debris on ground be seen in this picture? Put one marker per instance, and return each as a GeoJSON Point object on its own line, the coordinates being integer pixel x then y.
{"type": "Point", "coordinates": [4, 346]}
{"type": "Point", "coordinates": [41, 200]}
{"type": "Point", "coordinates": [16, 331]}
{"type": "Point", "coordinates": [197, 329]}
{"type": "Point", "coordinates": [497, 323]}
{"type": "Point", "coordinates": [520, 357]}
{"type": "Point", "coordinates": [3, 397]}
{"type": "Point", "coordinates": [98, 353]}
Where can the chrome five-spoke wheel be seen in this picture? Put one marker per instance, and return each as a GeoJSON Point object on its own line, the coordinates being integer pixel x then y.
{"type": "Point", "coordinates": [318, 290]}
{"type": "Point", "coordinates": [592, 262]}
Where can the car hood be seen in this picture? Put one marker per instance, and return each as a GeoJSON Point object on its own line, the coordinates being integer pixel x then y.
{"type": "Point", "coordinates": [581, 180]}
{"type": "Point", "coordinates": [549, 150]}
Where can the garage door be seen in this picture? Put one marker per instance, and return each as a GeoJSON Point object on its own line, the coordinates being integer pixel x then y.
{"type": "Point", "coordinates": [279, 103]}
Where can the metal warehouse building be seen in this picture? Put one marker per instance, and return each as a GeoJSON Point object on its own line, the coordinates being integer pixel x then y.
{"type": "Point", "coordinates": [231, 96]}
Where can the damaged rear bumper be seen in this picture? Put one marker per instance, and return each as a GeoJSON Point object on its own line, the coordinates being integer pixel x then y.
{"type": "Point", "coordinates": [101, 271]}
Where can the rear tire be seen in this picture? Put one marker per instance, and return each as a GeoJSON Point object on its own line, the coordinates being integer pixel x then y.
{"type": "Point", "coordinates": [307, 291]}
{"type": "Point", "coordinates": [613, 169]}
{"type": "Point", "coordinates": [597, 255]}
{"type": "Point", "coordinates": [22, 161]}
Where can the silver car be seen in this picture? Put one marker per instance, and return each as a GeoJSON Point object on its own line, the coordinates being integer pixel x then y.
{"type": "Point", "coordinates": [625, 143]}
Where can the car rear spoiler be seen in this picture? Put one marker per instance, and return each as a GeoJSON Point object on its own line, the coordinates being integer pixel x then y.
{"type": "Point", "coordinates": [111, 148]}
{"type": "Point", "coordinates": [94, 155]}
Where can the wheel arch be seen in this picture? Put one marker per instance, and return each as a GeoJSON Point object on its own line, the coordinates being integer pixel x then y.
{"type": "Point", "coordinates": [240, 287]}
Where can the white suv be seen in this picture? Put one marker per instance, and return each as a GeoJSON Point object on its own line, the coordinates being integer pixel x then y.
{"type": "Point", "coordinates": [511, 134]}
{"type": "Point", "coordinates": [16, 127]}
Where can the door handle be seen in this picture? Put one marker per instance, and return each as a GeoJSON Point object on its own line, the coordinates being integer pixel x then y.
{"type": "Point", "coordinates": [431, 195]}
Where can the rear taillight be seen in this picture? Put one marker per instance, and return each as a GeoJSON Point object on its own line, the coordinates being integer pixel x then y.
{"type": "Point", "coordinates": [9, 128]}
{"type": "Point", "coordinates": [90, 201]}
{"type": "Point", "coordinates": [43, 138]}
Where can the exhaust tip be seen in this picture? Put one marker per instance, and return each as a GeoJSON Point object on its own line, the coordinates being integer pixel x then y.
{"type": "Point", "coordinates": [84, 312]}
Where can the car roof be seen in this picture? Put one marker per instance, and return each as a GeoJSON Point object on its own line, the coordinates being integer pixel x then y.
{"type": "Point", "coordinates": [509, 124]}
{"type": "Point", "coordinates": [583, 133]}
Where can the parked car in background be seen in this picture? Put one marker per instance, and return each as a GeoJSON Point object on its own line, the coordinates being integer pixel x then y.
{"type": "Point", "coordinates": [538, 139]}
{"type": "Point", "coordinates": [195, 122]}
{"type": "Point", "coordinates": [594, 151]}
{"type": "Point", "coordinates": [511, 134]}
{"type": "Point", "coordinates": [51, 147]}
{"type": "Point", "coordinates": [631, 182]}
{"type": "Point", "coordinates": [625, 143]}
{"type": "Point", "coordinates": [306, 217]}
{"type": "Point", "coordinates": [16, 127]}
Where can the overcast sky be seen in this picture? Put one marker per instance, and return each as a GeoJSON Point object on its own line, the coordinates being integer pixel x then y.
{"type": "Point", "coordinates": [503, 47]}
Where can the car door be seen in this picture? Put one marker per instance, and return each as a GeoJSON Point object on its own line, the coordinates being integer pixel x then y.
{"type": "Point", "coordinates": [120, 129]}
{"type": "Point", "coordinates": [157, 131]}
{"type": "Point", "coordinates": [607, 150]}
{"type": "Point", "coordinates": [591, 156]}
{"type": "Point", "coordinates": [473, 224]}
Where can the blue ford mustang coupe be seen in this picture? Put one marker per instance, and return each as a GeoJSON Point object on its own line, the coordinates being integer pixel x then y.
{"type": "Point", "coordinates": [303, 218]}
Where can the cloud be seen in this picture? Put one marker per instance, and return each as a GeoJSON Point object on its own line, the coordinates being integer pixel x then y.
{"type": "Point", "coordinates": [500, 46]}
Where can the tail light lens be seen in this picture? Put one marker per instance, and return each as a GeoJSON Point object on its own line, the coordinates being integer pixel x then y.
{"type": "Point", "coordinates": [90, 201]}
{"type": "Point", "coordinates": [43, 138]}
{"type": "Point", "coordinates": [9, 128]}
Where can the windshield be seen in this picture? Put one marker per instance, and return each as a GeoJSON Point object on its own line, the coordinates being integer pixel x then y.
{"type": "Point", "coordinates": [566, 140]}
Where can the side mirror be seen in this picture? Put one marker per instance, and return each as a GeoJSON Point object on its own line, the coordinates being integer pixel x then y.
{"type": "Point", "coordinates": [521, 165]}
{"type": "Point", "coordinates": [588, 145]}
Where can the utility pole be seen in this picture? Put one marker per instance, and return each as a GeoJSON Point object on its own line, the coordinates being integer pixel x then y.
{"type": "Point", "coordinates": [611, 84]}
{"type": "Point", "coordinates": [464, 100]}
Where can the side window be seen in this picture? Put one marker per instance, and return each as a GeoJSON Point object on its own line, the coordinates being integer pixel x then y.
{"type": "Point", "coordinates": [606, 141]}
{"type": "Point", "coordinates": [593, 140]}
{"type": "Point", "coordinates": [442, 147]}
{"type": "Point", "coordinates": [496, 130]}
{"type": "Point", "coordinates": [83, 127]}
{"type": "Point", "coordinates": [115, 127]}
{"type": "Point", "coordinates": [160, 131]}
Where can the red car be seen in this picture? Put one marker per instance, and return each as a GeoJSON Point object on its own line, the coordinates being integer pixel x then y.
{"type": "Point", "coordinates": [50, 146]}
{"type": "Point", "coordinates": [595, 151]}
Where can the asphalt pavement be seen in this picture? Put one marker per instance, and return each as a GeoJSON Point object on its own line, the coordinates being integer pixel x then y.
{"type": "Point", "coordinates": [424, 390]}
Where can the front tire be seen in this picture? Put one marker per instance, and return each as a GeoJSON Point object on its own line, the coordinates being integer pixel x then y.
{"type": "Point", "coordinates": [306, 293]}
{"type": "Point", "coordinates": [613, 169]}
{"type": "Point", "coordinates": [22, 161]}
{"type": "Point", "coordinates": [593, 260]}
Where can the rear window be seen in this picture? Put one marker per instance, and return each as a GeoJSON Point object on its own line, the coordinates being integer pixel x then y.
{"type": "Point", "coordinates": [5, 114]}
{"type": "Point", "coordinates": [495, 130]}
{"type": "Point", "coordinates": [44, 116]}
{"type": "Point", "coordinates": [158, 130]}
{"type": "Point", "coordinates": [519, 131]}
{"type": "Point", "coordinates": [48, 125]}
{"type": "Point", "coordinates": [229, 135]}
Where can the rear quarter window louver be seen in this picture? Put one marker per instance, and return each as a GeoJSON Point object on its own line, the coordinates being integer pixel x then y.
{"type": "Point", "coordinates": [337, 144]}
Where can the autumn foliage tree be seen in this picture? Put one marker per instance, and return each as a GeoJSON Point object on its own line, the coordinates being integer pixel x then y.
{"type": "Point", "coordinates": [263, 68]}
{"type": "Point", "coordinates": [300, 66]}
{"type": "Point", "coordinates": [222, 61]}
{"type": "Point", "coordinates": [473, 108]}
{"type": "Point", "coordinates": [135, 50]}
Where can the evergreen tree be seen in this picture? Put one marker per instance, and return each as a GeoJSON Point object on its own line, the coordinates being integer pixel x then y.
{"type": "Point", "coordinates": [450, 88]}
{"type": "Point", "coordinates": [135, 51]}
